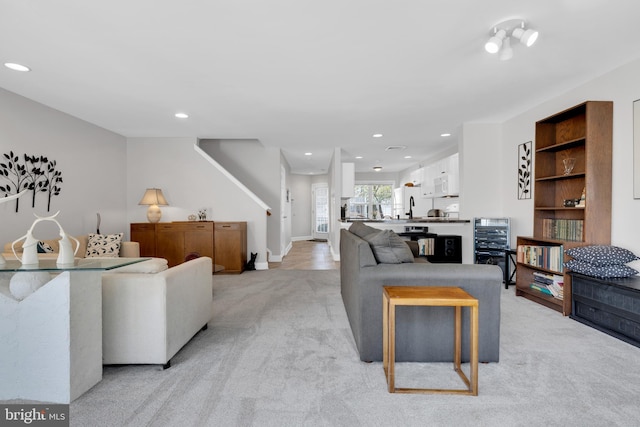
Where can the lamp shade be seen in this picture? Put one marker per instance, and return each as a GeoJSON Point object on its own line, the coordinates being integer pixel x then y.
{"type": "Point", "coordinates": [153, 198]}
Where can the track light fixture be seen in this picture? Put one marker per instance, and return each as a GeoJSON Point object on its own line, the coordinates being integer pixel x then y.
{"type": "Point", "coordinates": [501, 34]}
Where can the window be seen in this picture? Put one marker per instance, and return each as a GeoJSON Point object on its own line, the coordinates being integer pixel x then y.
{"type": "Point", "coordinates": [372, 201]}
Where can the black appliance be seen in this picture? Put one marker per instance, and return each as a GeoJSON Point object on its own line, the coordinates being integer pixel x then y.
{"type": "Point", "coordinates": [491, 242]}
{"type": "Point", "coordinates": [448, 248]}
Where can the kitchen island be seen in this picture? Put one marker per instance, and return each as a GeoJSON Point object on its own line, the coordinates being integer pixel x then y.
{"type": "Point", "coordinates": [441, 226]}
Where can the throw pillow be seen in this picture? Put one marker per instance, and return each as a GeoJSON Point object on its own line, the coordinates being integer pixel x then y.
{"type": "Point", "coordinates": [600, 271]}
{"type": "Point", "coordinates": [44, 248]}
{"type": "Point", "coordinates": [602, 255]}
{"type": "Point", "coordinates": [361, 229]}
{"type": "Point", "coordinates": [106, 246]}
{"type": "Point", "coordinates": [389, 248]}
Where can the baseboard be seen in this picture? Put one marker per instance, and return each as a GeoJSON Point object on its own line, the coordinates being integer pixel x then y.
{"type": "Point", "coordinates": [262, 265]}
{"type": "Point", "coordinates": [334, 255]}
{"type": "Point", "coordinates": [300, 238]}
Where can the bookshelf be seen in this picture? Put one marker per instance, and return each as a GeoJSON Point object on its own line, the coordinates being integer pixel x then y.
{"type": "Point", "coordinates": [582, 133]}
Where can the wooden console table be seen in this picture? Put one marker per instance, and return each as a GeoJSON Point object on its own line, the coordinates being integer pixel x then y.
{"type": "Point", "coordinates": [224, 242]}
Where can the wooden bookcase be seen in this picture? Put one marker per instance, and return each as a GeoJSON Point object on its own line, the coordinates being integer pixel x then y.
{"type": "Point", "coordinates": [583, 132]}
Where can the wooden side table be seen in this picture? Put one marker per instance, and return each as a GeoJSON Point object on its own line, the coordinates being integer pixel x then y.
{"type": "Point", "coordinates": [394, 296]}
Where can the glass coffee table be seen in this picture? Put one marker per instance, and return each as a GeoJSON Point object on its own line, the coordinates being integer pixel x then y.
{"type": "Point", "coordinates": [52, 337]}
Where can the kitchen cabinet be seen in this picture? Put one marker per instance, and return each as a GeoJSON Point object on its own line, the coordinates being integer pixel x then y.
{"type": "Point", "coordinates": [441, 178]}
{"type": "Point", "coordinates": [231, 246]}
{"type": "Point", "coordinates": [348, 180]}
{"type": "Point", "coordinates": [417, 176]}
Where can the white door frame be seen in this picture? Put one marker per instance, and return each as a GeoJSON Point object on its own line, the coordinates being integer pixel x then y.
{"type": "Point", "coordinates": [315, 233]}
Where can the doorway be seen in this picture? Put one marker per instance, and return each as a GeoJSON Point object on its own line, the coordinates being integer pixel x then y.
{"type": "Point", "coordinates": [320, 211]}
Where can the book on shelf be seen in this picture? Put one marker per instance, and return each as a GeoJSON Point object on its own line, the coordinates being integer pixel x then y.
{"type": "Point", "coordinates": [541, 288]}
{"type": "Point", "coordinates": [547, 257]}
{"type": "Point", "coordinates": [550, 284]}
{"type": "Point", "coordinates": [563, 229]}
{"type": "Point", "coordinates": [547, 278]}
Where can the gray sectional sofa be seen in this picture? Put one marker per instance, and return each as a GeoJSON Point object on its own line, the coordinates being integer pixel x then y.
{"type": "Point", "coordinates": [423, 334]}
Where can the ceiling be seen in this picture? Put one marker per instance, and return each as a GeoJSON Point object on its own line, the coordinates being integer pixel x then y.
{"type": "Point", "coordinates": [307, 76]}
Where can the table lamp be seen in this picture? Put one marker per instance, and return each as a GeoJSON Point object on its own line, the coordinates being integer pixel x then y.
{"type": "Point", "coordinates": [153, 198]}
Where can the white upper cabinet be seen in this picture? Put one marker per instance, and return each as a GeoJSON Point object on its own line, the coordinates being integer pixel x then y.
{"type": "Point", "coordinates": [417, 176]}
{"type": "Point", "coordinates": [348, 180]}
{"type": "Point", "coordinates": [441, 178]}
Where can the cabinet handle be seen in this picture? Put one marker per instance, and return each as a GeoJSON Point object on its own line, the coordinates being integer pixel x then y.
{"type": "Point", "coordinates": [226, 226]}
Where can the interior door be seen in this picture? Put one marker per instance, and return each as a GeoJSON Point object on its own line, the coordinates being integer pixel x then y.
{"type": "Point", "coordinates": [320, 211]}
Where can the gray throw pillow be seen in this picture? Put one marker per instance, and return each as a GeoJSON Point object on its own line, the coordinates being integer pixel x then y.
{"type": "Point", "coordinates": [600, 271]}
{"type": "Point", "coordinates": [389, 248]}
{"type": "Point", "coordinates": [361, 229]}
{"type": "Point", "coordinates": [601, 255]}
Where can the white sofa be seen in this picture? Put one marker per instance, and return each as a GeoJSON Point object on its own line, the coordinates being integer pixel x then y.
{"type": "Point", "coordinates": [149, 315]}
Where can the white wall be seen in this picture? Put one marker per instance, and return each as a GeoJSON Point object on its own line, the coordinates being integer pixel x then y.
{"type": "Point", "coordinates": [92, 162]}
{"type": "Point", "coordinates": [334, 175]}
{"type": "Point", "coordinates": [481, 181]}
{"type": "Point", "coordinates": [301, 206]}
{"type": "Point", "coordinates": [622, 86]}
{"type": "Point", "coordinates": [189, 183]}
{"type": "Point", "coordinates": [258, 168]}
{"type": "Point", "coordinates": [285, 224]}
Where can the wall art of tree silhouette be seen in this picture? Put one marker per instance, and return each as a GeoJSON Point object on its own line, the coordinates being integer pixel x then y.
{"type": "Point", "coordinates": [524, 170]}
{"type": "Point", "coordinates": [15, 173]}
{"type": "Point", "coordinates": [53, 178]}
{"type": "Point", "coordinates": [36, 173]}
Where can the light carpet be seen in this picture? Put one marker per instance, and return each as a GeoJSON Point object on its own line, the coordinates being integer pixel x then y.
{"type": "Point", "coordinates": [279, 352]}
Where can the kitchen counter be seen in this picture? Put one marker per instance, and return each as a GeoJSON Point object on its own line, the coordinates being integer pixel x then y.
{"type": "Point", "coordinates": [407, 221]}
{"type": "Point", "coordinates": [440, 226]}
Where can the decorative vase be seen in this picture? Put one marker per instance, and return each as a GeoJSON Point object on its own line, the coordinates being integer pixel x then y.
{"type": "Point", "coordinates": [569, 164]}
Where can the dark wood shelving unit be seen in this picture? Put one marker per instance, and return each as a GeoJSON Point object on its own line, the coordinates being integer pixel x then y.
{"type": "Point", "coordinates": [583, 132]}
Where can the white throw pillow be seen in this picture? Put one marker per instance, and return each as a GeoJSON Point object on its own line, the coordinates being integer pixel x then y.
{"type": "Point", "coordinates": [104, 245]}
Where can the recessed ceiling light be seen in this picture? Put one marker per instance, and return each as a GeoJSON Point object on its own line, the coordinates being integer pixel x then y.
{"type": "Point", "coordinates": [377, 135]}
{"type": "Point", "coordinates": [17, 67]}
{"type": "Point", "coordinates": [308, 154]}
{"type": "Point", "coordinates": [377, 168]}
{"type": "Point", "coordinates": [407, 157]}
{"type": "Point", "coordinates": [358, 157]}
{"type": "Point", "coordinates": [182, 115]}
{"type": "Point", "coordinates": [445, 134]}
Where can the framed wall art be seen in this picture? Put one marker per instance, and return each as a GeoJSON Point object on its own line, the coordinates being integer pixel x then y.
{"type": "Point", "coordinates": [524, 170]}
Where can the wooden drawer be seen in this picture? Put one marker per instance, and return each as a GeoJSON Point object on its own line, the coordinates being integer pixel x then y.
{"type": "Point", "coordinates": [185, 226]}
{"type": "Point", "coordinates": [230, 226]}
